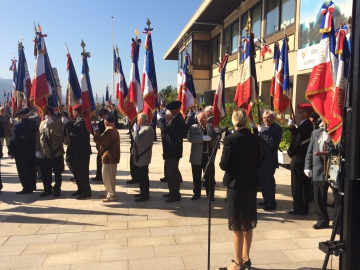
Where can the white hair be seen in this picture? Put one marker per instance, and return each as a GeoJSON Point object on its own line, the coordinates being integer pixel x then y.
{"type": "Point", "coordinates": [208, 108]}
{"type": "Point", "coordinates": [143, 117]}
{"type": "Point", "coordinates": [268, 112]}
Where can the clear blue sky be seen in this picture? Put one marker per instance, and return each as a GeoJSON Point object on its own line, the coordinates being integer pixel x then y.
{"type": "Point", "coordinates": [72, 20]}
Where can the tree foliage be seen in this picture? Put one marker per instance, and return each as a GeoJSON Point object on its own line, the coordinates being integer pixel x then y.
{"type": "Point", "coordinates": [168, 94]}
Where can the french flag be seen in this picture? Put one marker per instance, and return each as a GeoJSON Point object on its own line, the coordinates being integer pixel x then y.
{"type": "Point", "coordinates": [276, 63]}
{"type": "Point", "coordinates": [40, 89]}
{"type": "Point", "coordinates": [73, 91]}
{"type": "Point", "coordinates": [23, 84]}
{"type": "Point", "coordinates": [87, 98]}
{"type": "Point", "coordinates": [219, 99]}
{"type": "Point", "coordinates": [121, 86]}
{"type": "Point", "coordinates": [335, 125]}
{"type": "Point", "coordinates": [149, 82]}
{"type": "Point", "coordinates": [282, 80]}
{"type": "Point", "coordinates": [187, 93]}
{"type": "Point", "coordinates": [320, 88]}
{"type": "Point", "coordinates": [134, 104]}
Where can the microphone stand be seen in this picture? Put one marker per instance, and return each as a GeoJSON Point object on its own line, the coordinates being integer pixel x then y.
{"type": "Point", "coordinates": [210, 195]}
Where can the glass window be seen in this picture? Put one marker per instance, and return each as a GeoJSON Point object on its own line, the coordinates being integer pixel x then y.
{"type": "Point", "coordinates": [234, 37]}
{"type": "Point", "coordinates": [272, 16]}
{"type": "Point", "coordinates": [189, 49]}
{"type": "Point", "coordinates": [179, 61]}
{"type": "Point", "coordinates": [244, 19]}
{"type": "Point", "coordinates": [200, 53]}
{"type": "Point", "coordinates": [256, 20]}
{"type": "Point", "coordinates": [215, 49]}
{"type": "Point", "coordinates": [288, 12]}
{"type": "Point", "coordinates": [227, 37]}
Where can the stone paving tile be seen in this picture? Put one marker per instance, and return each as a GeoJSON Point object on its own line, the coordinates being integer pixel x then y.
{"type": "Point", "coordinates": [73, 257]}
{"type": "Point", "coordinates": [60, 229]}
{"type": "Point", "coordinates": [31, 239]}
{"type": "Point", "coordinates": [201, 261]}
{"type": "Point", "coordinates": [106, 226]}
{"type": "Point", "coordinates": [119, 265]}
{"type": "Point", "coordinates": [80, 236]}
{"type": "Point", "coordinates": [157, 263]}
{"type": "Point", "coordinates": [3, 239]}
{"type": "Point", "coordinates": [305, 243]}
{"type": "Point", "coordinates": [11, 250]}
{"type": "Point", "coordinates": [154, 223]}
{"type": "Point", "coordinates": [102, 244]}
{"type": "Point", "coordinates": [304, 255]}
{"type": "Point", "coordinates": [127, 233]}
{"type": "Point", "coordinates": [51, 267]}
{"type": "Point", "coordinates": [282, 234]}
{"type": "Point", "coordinates": [23, 261]}
{"type": "Point", "coordinates": [275, 244]}
{"type": "Point", "coordinates": [171, 230]}
{"type": "Point", "coordinates": [314, 265]}
{"type": "Point", "coordinates": [187, 221]}
{"type": "Point", "coordinates": [163, 240]}
{"type": "Point", "coordinates": [175, 250]}
{"type": "Point", "coordinates": [49, 248]}
{"type": "Point", "coordinates": [127, 254]}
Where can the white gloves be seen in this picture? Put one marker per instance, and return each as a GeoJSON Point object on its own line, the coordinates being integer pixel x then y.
{"type": "Point", "coordinates": [261, 128]}
{"type": "Point", "coordinates": [13, 121]}
{"type": "Point", "coordinates": [48, 119]}
{"type": "Point", "coordinates": [96, 128]}
{"type": "Point", "coordinates": [158, 115]}
{"type": "Point", "coordinates": [308, 173]}
{"type": "Point", "coordinates": [64, 120]}
{"type": "Point", "coordinates": [206, 138]}
{"type": "Point", "coordinates": [38, 154]}
{"type": "Point", "coordinates": [291, 122]}
{"type": "Point", "coordinates": [252, 125]}
{"type": "Point", "coordinates": [326, 137]}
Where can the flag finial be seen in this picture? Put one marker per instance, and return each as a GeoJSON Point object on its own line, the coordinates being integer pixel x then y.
{"type": "Point", "coordinates": [39, 28]}
{"type": "Point", "coordinates": [248, 25]}
{"type": "Point", "coordinates": [136, 33]}
{"type": "Point", "coordinates": [83, 45]}
{"type": "Point", "coordinates": [148, 23]}
{"type": "Point", "coordinates": [284, 27]}
{"type": "Point", "coordinates": [117, 50]}
{"type": "Point", "coordinates": [67, 49]}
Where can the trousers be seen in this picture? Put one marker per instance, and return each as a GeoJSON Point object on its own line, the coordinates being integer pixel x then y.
{"type": "Point", "coordinates": [300, 188]}
{"type": "Point", "coordinates": [109, 178]}
{"type": "Point", "coordinates": [267, 185]}
{"type": "Point", "coordinates": [142, 174]}
{"type": "Point", "coordinates": [209, 177]}
{"type": "Point", "coordinates": [173, 176]}
{"type": "Point", "coordinates": [26, 167]}
{"type": "Point", "coordinates": [81, 173]}
{"type": "Point", "coordinates": [320, 202]}
{"type": "Point", "coordinates": [56, 164]}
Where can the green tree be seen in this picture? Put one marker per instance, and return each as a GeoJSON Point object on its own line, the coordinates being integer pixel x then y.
{"type": "Point", "coordinates": [169, 93]}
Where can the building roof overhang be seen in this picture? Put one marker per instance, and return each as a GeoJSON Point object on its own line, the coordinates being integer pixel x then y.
{"type": "Point", "coordinates": [209, 15]}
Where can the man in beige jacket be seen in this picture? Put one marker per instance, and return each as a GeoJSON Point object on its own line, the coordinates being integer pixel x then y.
{"type": "Point", "coordinates": [49, 148]}
{"type": "Point", "coordinates": [109, 147]}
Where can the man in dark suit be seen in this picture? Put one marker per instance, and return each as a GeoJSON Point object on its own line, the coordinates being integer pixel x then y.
{"type": "Point", "coordinates": [22, 147]}
{"type": "Point", "coordinates": [173, 148]}
{"type": "Point", "coordinates": [80, 152]}
{"type": "Point", "coordinates": [270, 134]}
{"type": "Point", "coordinates": [114, 112]}
{"type": "Point", "coordinates": [101, 126]}
{"type": "Point", "coordinates": [300, 183]}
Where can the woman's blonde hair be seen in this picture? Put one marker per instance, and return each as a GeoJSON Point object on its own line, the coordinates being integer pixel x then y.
{"type": "Point", "coordinates": [239, 118]}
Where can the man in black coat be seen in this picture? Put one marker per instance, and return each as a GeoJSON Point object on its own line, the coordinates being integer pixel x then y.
{"type": "Point", "coordinates": [114, 112]}
{"type": "Point", "coordinates": [173, 147]}
{"type": "Point", "coordinates": [101, 113]}
{"type": "Point", "coordinates": [23, 147]}
{"type": "Point", "coordinates": [300, 183]}
{"type": "Point", "coordinates": [270, 134]}
{"type": "Point", "coordinates": [80, 152]}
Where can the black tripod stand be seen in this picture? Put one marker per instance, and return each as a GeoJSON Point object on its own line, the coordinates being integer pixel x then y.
{"type": "Point", "coordinates": [210, 195]}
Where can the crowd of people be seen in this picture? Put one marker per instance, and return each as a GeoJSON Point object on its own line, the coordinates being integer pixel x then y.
{"type": "Point", "coordinates": [248, 158]}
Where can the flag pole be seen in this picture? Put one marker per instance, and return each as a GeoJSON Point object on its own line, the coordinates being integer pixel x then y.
{"type": "Point", "coordinates": [112, 53]}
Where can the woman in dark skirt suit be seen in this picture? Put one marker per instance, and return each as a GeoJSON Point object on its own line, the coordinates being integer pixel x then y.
{"type": "Point", "coordinates": [241, 159]}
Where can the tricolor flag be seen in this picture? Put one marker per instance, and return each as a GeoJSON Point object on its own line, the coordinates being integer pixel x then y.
{"type": "Point", "coordinates": [335, 125]}
{"type": "Point", "coordinates": [23, 84]}
{"type": "Point", "coordinates": [282, 79]}
{"type": "Point", "coordinates": [134, 103]}
{"type": "Point", "coordinates": [87, 98]}
{"type": "Point", "coordinates": [73, 91]}
{"type": "Point", "coordinates": [121, 86]}
{"type": "Point", "coordinates": [149, 82]}
{"type": "Point", "coordinates": [247, 89]}
{"type": "Point", "coordinates": [320, 88]}
{"type": "Point", "coordinates": [219, 99]}
{"type": "Point", "coordinates": [107, 93]}
{"type": "Point", "coordinates": [13, 69]}
{"type": "Point", "coordinates": [276, 62]}
{"type": "Point", "coordinates": [187, 93]}
{"type": "Point", "coordinates": [43, 89]}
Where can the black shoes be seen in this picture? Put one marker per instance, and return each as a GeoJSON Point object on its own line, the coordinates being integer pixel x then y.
{"type": "Point", "coordinates": [76, 193]}
{"type": "Point", "coordinates": [166, 195]}
{"type": "Point", "coordinates": [46, 193]}
{"type": "Point", "coordinates": [137, 195]}
{"type": "Point", "coordinates": [57, 194]}
{"type": "Point", "coordinates": [320, 226]}
{"type": "Point", "coordinates": [263, 203]}
{"type": "Point", "coordinates": [296, 212]}
{"type": "Point", "coordinates": [83, 196]}
{"type": "Point", "coordinates": [163, 179]}
{"type": "Point", "coordinates": [96, 179]}
{"type": "Point", "coordinates": [195, 197]}
{"type": "Point", "coordinates": [132, 181]}
{"type": "Point", "coordinates": [24, 191]}
{"type": "Point", "coordinates": [142, 199]}
{"type": "Point", "coordinates": [269, 208]}
{"type": "Point", "coordinates": [173, 199]}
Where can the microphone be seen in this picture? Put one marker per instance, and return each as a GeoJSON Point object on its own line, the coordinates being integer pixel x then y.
{"type": "Point", "coordinates": [221, 131]}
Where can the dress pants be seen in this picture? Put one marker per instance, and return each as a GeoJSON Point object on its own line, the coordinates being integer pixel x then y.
{"type": "Point", "coordinates": [26, 167]}
{"type": "Point", "coordinates": [81, 173]}
{"type": "Point", "coordinates": [56, 164]}
{"type": "Point", "coordinates": [5, 139]}
{"type": "Point", "coordinates": [320, 202]}
{"type": "Point", "coordinates": [109, 179]}
{"type": "Point", "coordinates": [142, 174]}
{"type": "Point", "coordinates": [300, 188]}
{"type": "Point", "coordinates": [98, 167]}
{"type": "Point", "coordinates": [209, 176]}
{"type": "Point", "coordinates": [132, 168]}
{"type": "Point", "coordinates": [68, 160]}
{"type": "Point", "coordinates": [267, 185]}
{"type": "Point", "coordinates": [173, 177]}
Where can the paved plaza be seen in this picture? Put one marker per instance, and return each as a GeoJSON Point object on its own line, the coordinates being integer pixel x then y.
{"type": "Point", "coordinates": [65, 233]}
